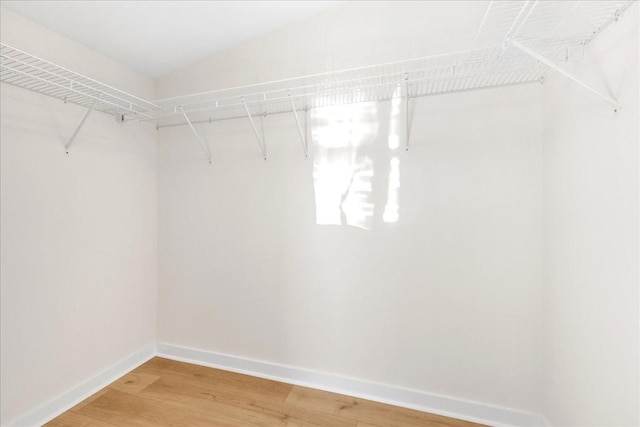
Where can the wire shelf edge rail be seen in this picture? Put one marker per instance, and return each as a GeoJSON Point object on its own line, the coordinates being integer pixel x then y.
{"type": "Point", "coordinates": [424, 76]}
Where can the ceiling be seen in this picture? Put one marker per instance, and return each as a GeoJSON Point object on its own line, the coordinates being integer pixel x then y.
{"type": "Point", "coordinates": [157, 37]}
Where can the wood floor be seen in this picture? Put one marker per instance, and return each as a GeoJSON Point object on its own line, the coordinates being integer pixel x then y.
{"type": "Point", "coordinates": [163, 392]}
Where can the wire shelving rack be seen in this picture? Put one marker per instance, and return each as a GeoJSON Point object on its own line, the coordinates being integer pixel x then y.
{"type": "Point", "coordinates": [550, 28]}
{"type": "Point", "coordinates": [518, 41]}
{"type": "Point", "coordinates": [30, 72]}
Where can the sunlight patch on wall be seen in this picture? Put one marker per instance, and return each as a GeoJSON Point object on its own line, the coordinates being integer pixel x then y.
{"type": "Point", "coordinates": [348, 151]}
{"type": "Point", "coordinates": [391, 209]}
{"type": "Point", "coordinates": [343, 168]}
{"type": "Point", "coordinates": [394, 135]}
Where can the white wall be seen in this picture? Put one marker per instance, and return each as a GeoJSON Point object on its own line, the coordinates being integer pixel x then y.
{"type": "Point", "coordinates": [449, 298]}
{"type": "Point", "coordinates": [79, 232]}
{"type": "Point", "coordinates": [445, 300]}
{"type": "Point", "coordinates": [591, 238]}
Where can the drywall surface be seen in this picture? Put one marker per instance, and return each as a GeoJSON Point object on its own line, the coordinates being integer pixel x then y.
{"type": "Point", "coordinates": [421, 269]}
{"type": "Point", "coordinates": [591, 237]}
{"type": "Point", "coordinates": [78, 242]}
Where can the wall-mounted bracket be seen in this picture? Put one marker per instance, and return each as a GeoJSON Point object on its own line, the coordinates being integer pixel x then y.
{"type": "Point", "coordinates": [255, 130]}
{"type": "Point", "coordinates": [204, 147]}
{"type": "Point", "coordinates": [564, 72]}
{"type": "Point", "coordinates": [84, 119]}
{"type": "Point", "coordinates": [302, 138]}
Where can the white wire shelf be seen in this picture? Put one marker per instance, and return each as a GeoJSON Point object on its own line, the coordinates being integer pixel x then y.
{"type": "Point", "coordinates": [426, 76]}
{"type": "Point", "coordinates": [519, 41]}
{"type": "Point", "coordinates": [539, 23]}
{"type": "Point", "coordinates": [21, 69]}
{"type": "Point", "coordinates": [550, 28]}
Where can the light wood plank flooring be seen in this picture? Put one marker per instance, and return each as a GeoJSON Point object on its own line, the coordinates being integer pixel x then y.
{"type": "Point", "coordinates": [166, 393]}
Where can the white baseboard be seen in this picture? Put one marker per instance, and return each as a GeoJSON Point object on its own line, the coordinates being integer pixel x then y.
{"type": "Point", "coordinates": [413, 399]}
{"type": "Point", "coordinates": [55, 407]}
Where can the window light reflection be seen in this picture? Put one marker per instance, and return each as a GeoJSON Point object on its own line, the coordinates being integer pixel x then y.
{"type": "Point", "coordinates": [396, 102]}
{"type": "Point", "coordinates": [391, 208]}
{"type": "Point", "coordinates": [391, 213]}
{"type": "Point", "coordinates": [343, 171]}
{"type": "Point", "coordinates": [345, 156]}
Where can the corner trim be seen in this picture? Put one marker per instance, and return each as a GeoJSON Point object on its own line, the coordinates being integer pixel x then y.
{"type": "Point", "coordinates": [57, 406]}
{"type": "Point", "coordinates": [407, 398]}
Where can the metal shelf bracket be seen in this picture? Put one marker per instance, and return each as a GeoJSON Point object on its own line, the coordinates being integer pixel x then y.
{"type": "Point", "coordinates": [302, 138]}
{"type": "Point", "coordinates": [84, 119]}
{"type": "Point", "coordinates": [255, 130]}
{"type": "Point", "coordinates": [565, 73]}
{"type": "Point", "coordinates": [204, 147]}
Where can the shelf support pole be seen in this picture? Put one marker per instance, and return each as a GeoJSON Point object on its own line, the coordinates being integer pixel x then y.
{"type": "Point", "coordinates": [204, 147]}
{"type": "Point", "coordinates": [255, 130]}
{"type": "Point", "coordinates": [564, 72]}
{"type": "Point", "coordinates": [84, 119]}
{"type": "Point", "coordinates": [302, 138]}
